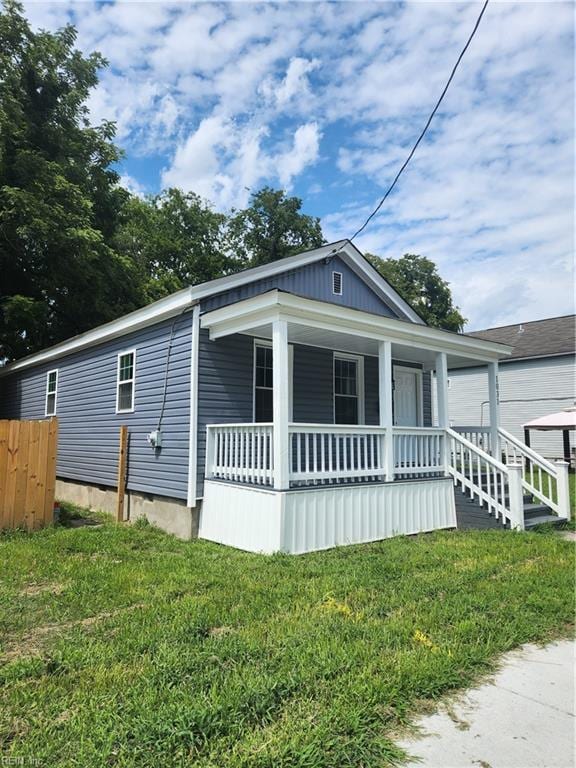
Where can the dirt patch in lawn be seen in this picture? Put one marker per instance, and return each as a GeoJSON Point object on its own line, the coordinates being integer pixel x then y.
{"type": "Point", "coordinates": [31, 590]}
{"type": "Point", "coordinates": [32, 642]}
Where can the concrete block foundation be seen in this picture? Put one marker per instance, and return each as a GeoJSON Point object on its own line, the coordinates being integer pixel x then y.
{"type": "Point", "coordinates": [172, 515]}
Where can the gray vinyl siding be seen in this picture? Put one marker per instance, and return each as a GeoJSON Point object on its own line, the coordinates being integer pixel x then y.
{"type": "Point", "coordinates": [86, 405]}
{"type": "Point", "coordinates": [313, 281]}
{"type": "Point", "coordinates": [548, 384]}
{"type": "Point", "coordinates": [225, 386]}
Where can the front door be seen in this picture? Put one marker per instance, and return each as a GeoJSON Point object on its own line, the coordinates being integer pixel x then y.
{"type": "Point", "coordinates": [406, 397]}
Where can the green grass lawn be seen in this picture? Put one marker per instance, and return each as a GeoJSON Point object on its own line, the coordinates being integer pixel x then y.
{"type": "Point", "coordinates": [122, 646]}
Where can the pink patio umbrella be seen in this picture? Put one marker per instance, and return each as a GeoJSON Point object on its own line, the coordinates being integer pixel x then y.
{"type": "Point", "coordinates": [564, 420]}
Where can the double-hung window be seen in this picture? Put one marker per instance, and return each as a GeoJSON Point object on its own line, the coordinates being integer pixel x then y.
{"type": "Point", "coordinates": [126, 376]}
{"type": "Point", "coordinates": [263, 383]}
{"type": "Point", "coordinates": [51, 392]}
{"type": "Point", "coordinates": [348, 389]}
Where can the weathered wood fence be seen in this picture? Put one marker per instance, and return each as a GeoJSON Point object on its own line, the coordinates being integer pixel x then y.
{"type": "Point", "coordinates": [27, 473]}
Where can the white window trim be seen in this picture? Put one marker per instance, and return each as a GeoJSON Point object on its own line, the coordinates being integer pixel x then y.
{"type": "Point", "coordinates": [419, 390]}
{"type": "Point", "coordinates": [334, 292]}
{"type": "Point", "coordinates": [361, 393]}
{"type": "Point", "coordinates": [55, 393]}
{"type": "Point", "coordinates": [267, 343]}
{"type": "Point", "coordinates": [126, 381]}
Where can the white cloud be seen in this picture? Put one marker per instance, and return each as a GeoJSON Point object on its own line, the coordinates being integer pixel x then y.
{"type": "Point", "coordinates": [295, 82]}
{"type": "Point", "coordinates": [132, 185]}
{"type": "Point", "coordinates": [233, 96]}
{"type": "Point", "coordinates": [304, 152]}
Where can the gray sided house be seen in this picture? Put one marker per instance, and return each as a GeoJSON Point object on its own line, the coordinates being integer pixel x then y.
{"type": "Point", "coordinates": [537, 379]}
{"type": "Point", "coordinates": [283, 408]}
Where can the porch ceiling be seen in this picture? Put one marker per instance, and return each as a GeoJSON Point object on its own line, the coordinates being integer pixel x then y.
{"type": "Point", "coordinates": [359, 345]}
{"type": "Point", "coordinates": [329, 326]}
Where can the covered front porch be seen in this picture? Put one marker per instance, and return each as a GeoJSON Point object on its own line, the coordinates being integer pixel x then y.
{"type": "Point", "coordinates": [371, 464]}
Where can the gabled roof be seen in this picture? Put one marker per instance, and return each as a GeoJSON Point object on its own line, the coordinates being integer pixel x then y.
{"type": "Point", "coordinates": [182, 300]}
{"type": "Point", "coordinates": [536, 338]}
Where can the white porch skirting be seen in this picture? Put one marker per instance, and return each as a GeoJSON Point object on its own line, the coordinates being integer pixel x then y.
{"type": "Point", "coordinates": [310, 519]}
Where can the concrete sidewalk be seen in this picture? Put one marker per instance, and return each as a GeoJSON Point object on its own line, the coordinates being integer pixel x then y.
{"type": "Point", "coordinates": [524, 718]}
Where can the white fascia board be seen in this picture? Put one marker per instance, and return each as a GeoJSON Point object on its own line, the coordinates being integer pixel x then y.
{"type": "Point", "coordinates": [141, 318]}
{"type": "Point", "coordinates": [262, 309]}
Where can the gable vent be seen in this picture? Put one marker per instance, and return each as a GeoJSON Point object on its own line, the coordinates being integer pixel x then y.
{"type": "Point", "coordinates": [337, 283]}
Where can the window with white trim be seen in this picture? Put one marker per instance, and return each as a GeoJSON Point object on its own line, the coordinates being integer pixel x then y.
{"type": "Point", "coordinates": [125, 379]}
{"type": "Point", "coordinates": [337, 283]}
{"type": "Point", "coordinates": [263, 383]}
{"type": "Point", "coordinates": [51, 392]}
{"type": "Point", "coordinates": [264, 380]}
{"type": "Point", "coordinates": [348, 389]}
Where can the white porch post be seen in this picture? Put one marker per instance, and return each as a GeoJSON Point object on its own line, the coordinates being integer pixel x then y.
{"type": "Point", "coordinates": [563, 488]}
{"type": "Point", "coordinates": [385, 405]}
{"type": "Point", "coordinates": [494, 409]}
{"type": "Point", "coordinates": [442, 400]}
{"type": "Point", "coordinates": [280, 402]}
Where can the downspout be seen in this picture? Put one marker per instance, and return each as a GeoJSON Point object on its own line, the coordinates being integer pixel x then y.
{"type": "Point", "coordinates": [193, 433]}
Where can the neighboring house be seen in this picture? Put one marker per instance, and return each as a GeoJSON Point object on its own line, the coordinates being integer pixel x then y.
{"type": "Point", "coordinates": [286, 407]}
{"type": "Point", "coordinates": [538, 378]}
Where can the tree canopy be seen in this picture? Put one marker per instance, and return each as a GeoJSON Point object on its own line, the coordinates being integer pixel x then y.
{"type": "Point", "coordinates": [59, 196]}
{"type": "Point", "coordinates": [417, 280]}
{"type": "Point", "coordinates": [271, 228]}
{"type": "Point", "coordinates": [174, 239]}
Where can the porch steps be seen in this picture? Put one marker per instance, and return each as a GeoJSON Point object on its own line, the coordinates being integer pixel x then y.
{"type": "Point", "coordinates": [470, 514]}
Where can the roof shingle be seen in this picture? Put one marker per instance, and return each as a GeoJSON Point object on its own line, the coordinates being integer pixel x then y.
{"type": "Point", "coordinates": [538, 338]}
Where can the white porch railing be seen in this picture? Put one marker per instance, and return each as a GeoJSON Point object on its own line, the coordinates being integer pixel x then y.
{"type": "Point", "coordinates": [418, 451]}
{"type": "Point", "coordinates": [322, 453]}
{"type": "Point", "coordinates": [495, 485]}
{"type": "Point", "coordinates": [240, 452]}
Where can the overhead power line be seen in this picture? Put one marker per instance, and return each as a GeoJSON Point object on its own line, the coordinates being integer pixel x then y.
{"type": "Point", "coordinates": [415, 147]}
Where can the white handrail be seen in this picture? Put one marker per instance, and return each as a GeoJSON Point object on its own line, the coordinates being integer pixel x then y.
{"type": "Point", "coordinates": [528, 452]}
{"type": "Point", "coordinates": [546, 488]}
{"type": "Point", "coordinates": [493, 483]}
{"type": "Point", "coordinates": [471, 447]}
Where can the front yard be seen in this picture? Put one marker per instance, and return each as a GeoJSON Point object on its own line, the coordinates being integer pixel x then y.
{"type": "Point", "coordinates": [122, 646]}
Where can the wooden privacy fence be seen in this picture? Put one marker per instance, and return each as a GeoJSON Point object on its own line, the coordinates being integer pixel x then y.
{"type": "Point", "coordinates": [27, 473]}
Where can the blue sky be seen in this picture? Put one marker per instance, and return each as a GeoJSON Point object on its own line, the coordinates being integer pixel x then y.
{"type": "Point", "coordinates": [325, 100]}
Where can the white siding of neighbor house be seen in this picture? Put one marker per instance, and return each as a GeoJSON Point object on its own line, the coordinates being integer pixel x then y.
{"type": "Point", "coordinates": [547, 384]}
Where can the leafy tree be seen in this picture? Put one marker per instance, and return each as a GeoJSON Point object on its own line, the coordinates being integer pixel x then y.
{"type": "Point", "coordinates": [59, 196]}
{"type": "Point", "coordinates": [417, 280]}
{"type": "Point", "coordinates": [272, 228]}
{"type": "Point", "coordinates": [174, 239]}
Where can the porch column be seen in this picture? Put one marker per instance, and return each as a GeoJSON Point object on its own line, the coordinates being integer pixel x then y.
{"type": "Point", "coordinates": [494, 409]}
{"type": "Point", "coordinates": [385, 405]}
{"type": "Point", "coordinates": [442, 400]}
{"type": "Point", "coordinates": [280, 404]}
